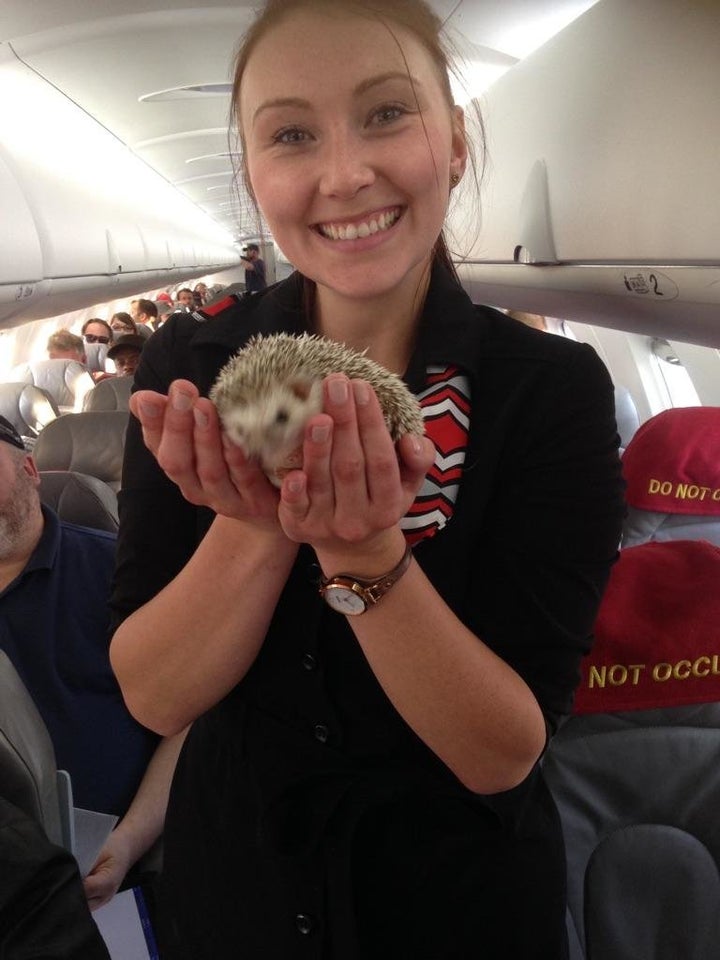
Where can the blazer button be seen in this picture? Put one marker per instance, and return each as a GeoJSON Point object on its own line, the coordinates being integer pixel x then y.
{"type": "Point", "coordinates": [304, 924]}
{"type": "Point", "coordinates": [321, 732]}
{"type": "Point", "coordinates": [309, 662]}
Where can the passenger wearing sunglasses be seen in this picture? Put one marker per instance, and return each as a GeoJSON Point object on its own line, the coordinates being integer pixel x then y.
{"type": "Point", "coordinates": [95, 330]}
{"type": "Point", "coordinates": [97, 336]}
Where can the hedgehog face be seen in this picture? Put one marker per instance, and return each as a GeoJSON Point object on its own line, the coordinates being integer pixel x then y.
{"type": "Point", "coordinates": [269, 426]}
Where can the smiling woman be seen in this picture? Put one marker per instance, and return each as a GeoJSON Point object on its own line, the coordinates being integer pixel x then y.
{"type": "Point", "coordinates": [362, 779]}
{"type": "Point", "coordinates": [350, 172]}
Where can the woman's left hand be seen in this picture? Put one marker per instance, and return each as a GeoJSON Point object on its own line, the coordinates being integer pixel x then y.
{"type": "Point", "coordinates": [108, 872]}
{"type": "Point", "coordinates": [355, 484]}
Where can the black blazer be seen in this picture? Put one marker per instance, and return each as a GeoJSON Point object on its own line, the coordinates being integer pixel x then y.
{"type": "Point", "coordinates": [331, 808]}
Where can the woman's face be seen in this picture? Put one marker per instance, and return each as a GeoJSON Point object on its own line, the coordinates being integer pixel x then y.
{"type": "Point", "coordinates": [349, 159]}
{"type": "Point", "coordinates": [120, 328]}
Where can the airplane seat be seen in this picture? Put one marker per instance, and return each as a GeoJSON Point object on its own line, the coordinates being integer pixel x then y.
{"type": "Point", "coordinates": [110, 394]}
{"type": "Point", "coordinates": [81, 499]}
{"type": "Point", "coordinates": [67, 381]}
{"type": "Point", "coordinates": [672, 471]}
{"type": "Point", "coordinates": [95, 356]}
{"type": "Point", "coordinates": [626, 415]}
{"type": "Point", "coordinates": [28, 771]}
{"type": "Point", "coordinates": [27, 407]}
{"type": "Point", "coordinates": [635, 771]}
{"type": "Point", "coordinates": [91, 442]}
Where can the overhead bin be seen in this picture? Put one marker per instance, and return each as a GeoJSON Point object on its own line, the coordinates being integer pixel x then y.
{"type": "Point", "coordinates": [21, 261]}
{"type": "Point", "coordinates": [84, 219]}
{"type": "Point", "coordinates": [603, 152]}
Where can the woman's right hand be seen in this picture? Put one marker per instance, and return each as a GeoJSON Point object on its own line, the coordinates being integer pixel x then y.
{"type": "Point", "coordinates": [183, 432]}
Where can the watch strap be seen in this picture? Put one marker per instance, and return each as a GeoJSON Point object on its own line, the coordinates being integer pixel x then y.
{"type": "Point", "coordinates": [371, 589]}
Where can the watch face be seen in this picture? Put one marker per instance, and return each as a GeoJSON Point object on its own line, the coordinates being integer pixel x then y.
{"type": "Point", "coordinates": [344, 600]}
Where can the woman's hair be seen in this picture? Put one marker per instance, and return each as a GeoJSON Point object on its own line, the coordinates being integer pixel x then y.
{"type": "Point", "coordinates": [125, 319]}
{"type": "Point", "coordinates": [413, 15]}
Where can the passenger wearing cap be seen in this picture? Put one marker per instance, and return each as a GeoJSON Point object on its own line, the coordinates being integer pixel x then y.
{"type": "Point", "coordinates": [9, 434]}
{"type": "Point", "coordinates": [54, 588]}
{"type": "Point", "coordinates": [125, 354]}
{"type": "Point", "coordinates": [672, 471]}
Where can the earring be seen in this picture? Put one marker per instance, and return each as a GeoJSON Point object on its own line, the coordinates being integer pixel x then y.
{"type": "Point", "coordinates": [454, 179]}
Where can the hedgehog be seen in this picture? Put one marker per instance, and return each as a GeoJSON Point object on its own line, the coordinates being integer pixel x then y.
{"type": "Point", "coordinates": [268, 391]}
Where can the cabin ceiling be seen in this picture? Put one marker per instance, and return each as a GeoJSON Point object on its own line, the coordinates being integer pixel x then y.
{"type": "Point", "coordinates": [111, 56]}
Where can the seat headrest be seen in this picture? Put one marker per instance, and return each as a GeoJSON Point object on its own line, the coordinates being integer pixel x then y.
{"type": "Point", "coordinates": [95, 356]}
{"type": "Point", "coordinates": [656, 633]}
{"type": "Point", "coordinates": [80, 499]}
{"type": "Point", "coordinates": [110, 394]}
{"type": "Point", "coordinates": [91, 443]}
{"type": "Point", "coordinates": [27, 407]}
{"type": "Point", "coordinates": [672, 463]}
{"type": "Point", "coordinates": [67, 381]}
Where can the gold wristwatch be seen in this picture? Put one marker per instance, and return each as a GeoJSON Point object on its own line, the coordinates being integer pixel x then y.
{"type": "Point", "coordinates": [353, 595]}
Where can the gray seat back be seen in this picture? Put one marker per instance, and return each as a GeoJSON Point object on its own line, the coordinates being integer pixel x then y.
{"type": "Point", "coordinates": [92, 442]}
{"type": "Point", "coordinates": [95, 356]}
{"type": "Point", "coordinates": [635, 772]}
{"type": "Point", "coordinates": [28, 771]}
{"type": "Point", "coordinates": [640, 526]}
{"type": "Point", "coordinates": [27, 407]}
{"type": "Point", "coordinates": [67, 381]}
{"type": "Point", "coordinates": [81, 499]}
{"type": "Point", "coordinates": [626, 415]}
{"type": "Point", "coordinates": [110, 394]}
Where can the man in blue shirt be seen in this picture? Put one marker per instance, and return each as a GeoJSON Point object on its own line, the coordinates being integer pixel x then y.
{"type": "Point", "coordinates": [254, 269]}
{"type": "Point", "coordinates": [54, 588]}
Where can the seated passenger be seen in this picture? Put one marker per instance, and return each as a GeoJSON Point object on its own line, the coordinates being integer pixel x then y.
{"type": "Point", "coordinates": [54, 587]}
{"type": "Point", "coordinates": [121, 323]}
{"type": "Point", "coordinates": [125, 354]}
{"type": "Point", "coordinates": [63, 345]}
{"type": "Point", "coordinates": [95, 330]}
{"type": "Point", "coordinates": [97, 335]}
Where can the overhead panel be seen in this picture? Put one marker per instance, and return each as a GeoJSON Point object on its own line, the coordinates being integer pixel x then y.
{"type": "Point", "coordinates": [600, 195]}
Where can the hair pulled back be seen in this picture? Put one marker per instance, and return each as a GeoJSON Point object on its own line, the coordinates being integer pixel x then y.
{"type": "Point", "coordinates": [413, 15]}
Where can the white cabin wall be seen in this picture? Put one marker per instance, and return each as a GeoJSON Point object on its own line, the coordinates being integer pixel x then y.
{"type": "Point", "coordinates": [626, 355]}
{"type": "Point", "coordinates": [703, 367]}
{"type": "Point", "coordinates": [630, 360]}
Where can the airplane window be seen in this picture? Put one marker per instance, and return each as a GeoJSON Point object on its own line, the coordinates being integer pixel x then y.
{"type": "Point", "coordinates": [672, 375]}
